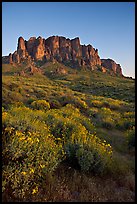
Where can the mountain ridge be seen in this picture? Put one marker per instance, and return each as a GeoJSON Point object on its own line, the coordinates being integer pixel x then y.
{"type": "Point", "coordinates": [64, 50]}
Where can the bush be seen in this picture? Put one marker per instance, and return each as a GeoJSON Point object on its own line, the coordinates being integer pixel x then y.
{"type": "Point", "coordinates": [27, 159]}
{"type": "Point", "coordinates": [108, 123]}
{"type": "Point", "coordinates": [55, 104]}
{"type": "Point", "coordinates": [119, 166]}
{"type": "Point", "coordinates": [94, 155]}
{"type": "Point", "coordinates": [40, 105]}
{"type": "Point", "coordinates": [126, 123]}
{"type": "Point", "coordinates": [24, 119]}
{"type": "Point", "coordinates": [130, 134]}
{"type": "Point", "coordinates": [77, 134]}
{"type": "Point", "coordinates": [30, 100]}
{"type": "Point", "coordinates": [74, 100]}
{"type": "Point", "coordinates": [96, 103]}
{"type": "Point", "coordinates": [93, 112]}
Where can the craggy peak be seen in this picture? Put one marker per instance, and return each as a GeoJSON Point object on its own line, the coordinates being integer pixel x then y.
{"type": "Point", "coordinates": [66, 51]}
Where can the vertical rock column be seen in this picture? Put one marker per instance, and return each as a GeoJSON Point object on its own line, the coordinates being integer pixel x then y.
{"type": "Point", "coordinates": [39, 49]}
{"type": "Point", "coordinates": [53, 44]}
{"type": "Point", "coordinates": [21, 49]}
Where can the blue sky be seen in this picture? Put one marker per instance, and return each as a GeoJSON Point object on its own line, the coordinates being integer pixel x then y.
{"type": "Point", "coordinates": [107, 26]}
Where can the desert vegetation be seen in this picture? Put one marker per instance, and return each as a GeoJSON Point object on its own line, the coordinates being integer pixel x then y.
{"type": "Point", "coordinates": [67, 137]}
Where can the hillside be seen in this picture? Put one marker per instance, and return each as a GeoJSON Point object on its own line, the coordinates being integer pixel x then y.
{"type": "Point", "coordinates": [68, 134]}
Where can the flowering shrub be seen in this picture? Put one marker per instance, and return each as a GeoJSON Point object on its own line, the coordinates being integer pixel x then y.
{"type": "Point", "coordinates": [29, 151]}
{"type": "Point", "coordinates": [55, 104]}
{"type": "Point", "coordinates": [97, 103]}
{"type": "Point", "coordinates": [27, 159]}
{"type": "Point", "coordinates": [74, 100]}
{"type": "Point", "coordinates": [77, 134]}
{"type": "Point", "coordinates": [113, 104]}
{"type": "Point", "coordinates": [40, 105]}
{"type": "Point", "coordinates": [24, 119]}
{"type": "Point", "coordinates": [108, 118]}
{"type": "Point", "coordinates": [126, 123]}
{"type": "Point", "coordinates": [93, 112]}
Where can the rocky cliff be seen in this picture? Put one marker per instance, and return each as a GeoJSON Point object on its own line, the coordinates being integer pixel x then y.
{"type": "Point", "coordinates": [112, 66]}
{"type": "Point", "coordinates": [64, 50]}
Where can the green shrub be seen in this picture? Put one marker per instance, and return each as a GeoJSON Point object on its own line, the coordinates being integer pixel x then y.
{"type": "Point", "coordinates": [30, 100]}
{"type": "Point", "coordinates": [93, 112]}
{"type": "Point", "coordinates": [24, 119]}
{"type": "Point", "coordinates": [126, 123]}
{"type": "Point", "coordinates": [94, 155]}
{"type": "Point", "coordinates": [78, 103]}
{"type": "Point", "coordinates": [90, 160]}
{"type": "Point", "coordinates": [130, 134]}
{"type": "Point", "coordinates": [40, 105]}
{"type": "Point", "coordinates": [74, 100]}
{"type": "Point", "coordinates": [96, 103]}
{"type": "Point", "coordinates": [108, 123]}
{"type": "Point", "coordinates": [27, 159]}
{"type": "Point", "coordinates": [118, 166]}
{"type": "Point", "coordinates": [129, 114]}
{"type": "Point", "coordinates": [55, 104]}
{"type": "Point", "coordinates": [65, 120]}
{"type": "Point", "coordinates": [77, 135]}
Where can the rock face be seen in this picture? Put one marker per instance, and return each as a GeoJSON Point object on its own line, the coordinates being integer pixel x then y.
{"type": "Point", "coordinates": [112, 66]}
{"type": "Point", "coordinates": [63, 50]}
{"type": "Point", "coordinates": [21, 49]}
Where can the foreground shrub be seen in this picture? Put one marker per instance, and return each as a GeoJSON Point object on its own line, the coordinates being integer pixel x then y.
{"type": "Point", "coordinates": [29, 151]}
{"type": "Point", "coordinates": [24, 119]}
{"type": "Point", "coordinates": [82, 147]}
{"type": "Point", "coordinates": [27, 159]}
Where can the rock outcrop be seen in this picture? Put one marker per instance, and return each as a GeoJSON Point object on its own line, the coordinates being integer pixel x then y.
{"type": "Point", "coordinates": [112, 66]}
{"type": "Point", "coordinates": [21, 49]}
{"type": "Point", "coordinates": [63, 50]}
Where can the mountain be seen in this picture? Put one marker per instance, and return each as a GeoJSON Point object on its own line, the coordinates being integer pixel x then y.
{"type": "Point", "coordinates": [61, 49]}
{"type": "Point", "coordinates": [66, 130]}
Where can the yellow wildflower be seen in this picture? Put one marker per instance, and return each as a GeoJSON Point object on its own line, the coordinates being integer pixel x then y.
{"type": "Point", "coordinates": [29, 133]}
{"type": "Point", "coordinates": [37, 140]}
{"type": "Point", "coordinates": [22, 138]}
{"type": "Point", "coordinates": [31, 170]}
{"type": "Point", "coordinates": [109, 145]}
{"type": "Point", "coordinates": [42, 166]}
{"type": "Point", "coordinates": [35, 190]}
{"type": "Point", "coordinates": [24, 173]}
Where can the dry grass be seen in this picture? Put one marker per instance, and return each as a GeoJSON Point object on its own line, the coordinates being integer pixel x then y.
{"type": "Point", "coordinates": [70, 185]}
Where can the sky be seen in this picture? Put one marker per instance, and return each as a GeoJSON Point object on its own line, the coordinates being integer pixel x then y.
{"type": "Point", "coordinates": [107, 26]}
